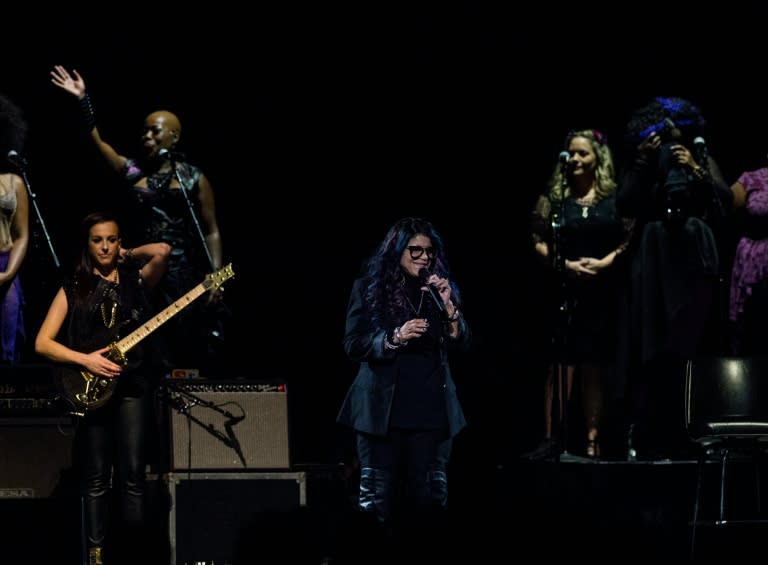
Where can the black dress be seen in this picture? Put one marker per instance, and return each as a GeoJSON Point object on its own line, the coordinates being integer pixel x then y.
{"type": "Point", "coordinates": [191, 340]}
{"type": "Point", "coordinates": [589, 327]}
{"type": "Point", "coordinates": [675, 261]}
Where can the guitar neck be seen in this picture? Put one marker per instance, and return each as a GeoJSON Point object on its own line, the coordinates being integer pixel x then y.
{"type": "Point", "coordinates": [132, 339]}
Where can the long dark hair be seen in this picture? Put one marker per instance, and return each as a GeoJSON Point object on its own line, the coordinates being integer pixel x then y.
{"type": "Point", "coordinates": [385, 292]}
{"type": "Point", "coordinates": [83, 276]}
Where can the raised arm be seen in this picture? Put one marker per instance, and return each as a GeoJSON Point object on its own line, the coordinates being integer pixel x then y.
{"type": "Point", "coordinates": [153, 258]}
{"type": "Point", "coordinates": [75, 85]}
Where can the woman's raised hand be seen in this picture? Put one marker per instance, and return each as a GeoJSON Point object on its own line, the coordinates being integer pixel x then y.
{"type": "Point", "coordinates": [74, 83]}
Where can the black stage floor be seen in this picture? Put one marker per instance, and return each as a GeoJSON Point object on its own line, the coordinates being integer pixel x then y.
{"type": "Point", "coordinates": [546, 511]}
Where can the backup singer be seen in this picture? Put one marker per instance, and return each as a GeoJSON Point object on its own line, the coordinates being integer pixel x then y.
{"type": "Point", "coordinates": [14, 234]}
{"type": "Point", "coordinates": [678, 197]}
{"type": "Point", "coordinates": [593, 238]}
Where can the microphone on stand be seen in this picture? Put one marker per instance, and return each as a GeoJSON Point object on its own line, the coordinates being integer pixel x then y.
{"type": "Point", "coordinates": [171, 155]}
{"type": "Point", "coordinates": [16, 160]}
{"type": "Point", "coordinates": [424, 274]}
{"type": "Point", "coordinates": [700, 152]}
{"type": "Point", "coordinates": [564, 157]}
{"type": "Point", "coordinates": [676, 183]}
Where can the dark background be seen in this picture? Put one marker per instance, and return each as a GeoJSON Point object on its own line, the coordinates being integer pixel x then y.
{"type": "Point", "coordinates": [320, 126]}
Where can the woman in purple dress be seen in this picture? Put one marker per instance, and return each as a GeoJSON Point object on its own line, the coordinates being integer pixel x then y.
{"type": "Point", "coordinates": [749, 274]}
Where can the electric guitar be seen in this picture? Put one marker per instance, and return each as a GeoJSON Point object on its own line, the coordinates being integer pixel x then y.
{"type": "Point", "coordinates": [81, 391]}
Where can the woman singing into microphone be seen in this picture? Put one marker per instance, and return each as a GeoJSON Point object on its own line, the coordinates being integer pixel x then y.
{"type": "Point", "coordinates": [403, 405]}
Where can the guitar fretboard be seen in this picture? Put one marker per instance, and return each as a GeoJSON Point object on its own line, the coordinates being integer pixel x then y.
{"type": "Point", "coordinates": [132, 339]}
{"type": "Point", "coordinates": [213, 280]}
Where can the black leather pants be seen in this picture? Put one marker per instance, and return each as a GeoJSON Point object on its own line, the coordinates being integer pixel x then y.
{"type": "Point", "coordinates": [411, 463]}
{"type": "Point", "coordinates": [113, 434]}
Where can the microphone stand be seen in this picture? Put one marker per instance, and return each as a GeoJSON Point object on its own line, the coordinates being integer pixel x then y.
{"type": "Point", "coordinates": [185, 400]}
{"type": "Point", "coordinates": [715, 196]}
{"type": "Point", "coordinates": [717, 225]}
{"type": "Point", "coordinates": [192, 214]}
{"type": "Point", "coordinates": [214, 330]}
{"type": "Point", "coordinates": [560, 397]}
{"type": "Point", "coordinates": [39, 217]}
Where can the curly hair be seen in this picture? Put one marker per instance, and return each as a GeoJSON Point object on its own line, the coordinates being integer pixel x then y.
{"type": "Point", "coordinates": [385, 292]}
{"type": "Point", "coordinates": [661, 115]}
{"type": "Point", "coordinates": [605, 177]}
{"type": "Point", "coordinates": [13, 127]}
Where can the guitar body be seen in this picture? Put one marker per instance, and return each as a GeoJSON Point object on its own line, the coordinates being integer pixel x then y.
{"type": "Point", "coordinates": [81, 391]}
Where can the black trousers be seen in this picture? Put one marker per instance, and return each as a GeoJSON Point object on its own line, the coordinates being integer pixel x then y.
{"type": "Point", "coordinates": [405, 468]}
{"type": "Point", "coordinates": [113, 438]}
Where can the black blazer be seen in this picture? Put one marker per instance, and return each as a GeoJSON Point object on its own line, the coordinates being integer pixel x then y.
{"type": "Point", "coordinates": [368, 402]}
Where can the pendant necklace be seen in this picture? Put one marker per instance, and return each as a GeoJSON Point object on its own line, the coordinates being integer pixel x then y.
{"type": "Point", "coordinates": [113, 313]}
{"type": "Point", "coordinates": [585, 202]}
{"type": "Point", "coordinates": [421, 302]}
{"type": "Point", "coordinates": [159, 181]}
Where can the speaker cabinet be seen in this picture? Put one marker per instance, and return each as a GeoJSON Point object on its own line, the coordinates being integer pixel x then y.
{"type": "Point", "coordinates": [34, 453]}
{"type": "Point", "coordinates": [237, 425]}
{"type": "Point", "coordinates": [225, 517]}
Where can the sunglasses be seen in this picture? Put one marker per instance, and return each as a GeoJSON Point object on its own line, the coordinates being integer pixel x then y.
{"type": "Point", "coordinates": [417, 251]}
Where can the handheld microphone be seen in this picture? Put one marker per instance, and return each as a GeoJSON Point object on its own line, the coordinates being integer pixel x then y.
{"type": "Point", "coordinates": [17, 160]}
{"type": "Point", "coordinates": [171, 155]}
{"type": "Point", "coordinates": [564, 157]}
{"type": "Point", "coordinates": [700, 151]}
{"type": "Point", "coordinates": [424, 274]}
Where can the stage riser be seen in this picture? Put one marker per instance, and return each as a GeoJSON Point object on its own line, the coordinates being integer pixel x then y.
{"type": "Point", "coordinates": [645, 508]}
{"type": "Point", "coordinates": [218, 517]}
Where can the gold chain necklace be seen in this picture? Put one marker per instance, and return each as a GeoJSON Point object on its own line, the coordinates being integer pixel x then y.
{"type": "Point", "coordinates": [115, 280]}
{"type": "Point", "coordinates": [111, 317]}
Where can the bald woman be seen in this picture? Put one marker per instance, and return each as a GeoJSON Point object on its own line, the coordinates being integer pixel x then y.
{"type": "Point", "coordinates": [159, 211]}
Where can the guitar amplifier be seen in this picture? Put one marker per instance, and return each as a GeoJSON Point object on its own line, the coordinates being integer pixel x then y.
{"type": "Point", "coordinates": [35, 456]}
{"type": "Point", "coordinates": [228, 425]}
{"type": "Point", "coordinates": [27, 390]}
